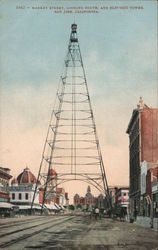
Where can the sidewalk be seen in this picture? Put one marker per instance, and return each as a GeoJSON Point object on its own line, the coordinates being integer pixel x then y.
{"type": "Point", "coordinates": [146, 222]}
{"type": "Point", "coordinates": [142, 221]}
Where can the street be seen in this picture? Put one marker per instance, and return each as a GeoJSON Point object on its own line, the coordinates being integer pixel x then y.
{"type": "Point", "coordinates": [74, 232]}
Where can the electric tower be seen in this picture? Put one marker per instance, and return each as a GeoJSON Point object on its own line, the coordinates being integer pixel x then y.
{"type": "Point", "coordinates": [72, 147]}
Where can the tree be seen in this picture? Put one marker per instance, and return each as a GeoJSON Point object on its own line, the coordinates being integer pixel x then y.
{"type": "Point", "coordinates": [71, 207]}
{"type": "Point", "coordinates": [79, 206]}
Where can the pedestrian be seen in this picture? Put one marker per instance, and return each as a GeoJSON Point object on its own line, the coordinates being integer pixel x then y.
{"type": "Point", "coordinates": [135, 215]}
{"type": "Point", "coordinates": [91, 212]}
{"type": "Point", "coordinates": [122, 215]}
{"type": "Point", "coordinates": [100, 214]}
{"type": "Point", "coordinates": [96, 213]}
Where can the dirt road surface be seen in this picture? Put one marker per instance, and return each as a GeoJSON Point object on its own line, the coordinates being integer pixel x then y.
{"type": "Point", "coordinates": [72, 232]}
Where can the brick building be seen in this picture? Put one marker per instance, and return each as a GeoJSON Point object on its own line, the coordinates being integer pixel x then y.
{"type": "Point", "coordinates": [61, 197]}
{"type": "Point", "coordinates": [122, 200]}
{"type": "Point", "coordinates": [143, 145]}
{"type": "Point", "coordinates": [154, 188]}
{"type": "Point", "coordinates": [4, 184]}
{"type": "Point", "coordinates": [51, 188]}
{"type": "Point", "coordinates": [149, 174]}
{"type": "Point", "coordinates": [89, 201]}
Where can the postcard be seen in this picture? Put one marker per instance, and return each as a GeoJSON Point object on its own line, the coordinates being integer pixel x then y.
{"type": "Point", "coordinates": [79, 124]}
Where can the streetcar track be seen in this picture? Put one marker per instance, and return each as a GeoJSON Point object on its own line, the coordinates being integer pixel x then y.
{"type": "Point", "coordinates": [23, 229]}
{"type": "Point", "coordinates": [9, 243]}
{"type": "Point", "coordinates": [22, 222]}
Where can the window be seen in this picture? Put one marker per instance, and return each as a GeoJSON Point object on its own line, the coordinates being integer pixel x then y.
{"type": "Point", "coordinates": [1, 186]}
{"type": "Point", "coordinates": [26, 196]}
{"type": "Point", "coordinates": [20, 196]}
{"type": "Point", "coordinates": [13, 196]}
{"type": "Point", "coordinates": [7, 187]}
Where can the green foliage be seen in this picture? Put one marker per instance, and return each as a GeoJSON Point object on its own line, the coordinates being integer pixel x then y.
{"type": "Point", "coordinates": [71, 207]}
{"type": "Point", "coordinates": [79, 206]}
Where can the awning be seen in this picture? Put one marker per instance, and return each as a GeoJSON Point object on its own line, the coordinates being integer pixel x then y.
{"type": "Point", "coordinates": [5, 205]}
{"type": "Point", "coordinates": [24, 207]}
{"type": "Point", "coordinates": [62, 207]}
{"type": "Point", "coordinates": [57, 206]}
{"type": "Point", "coordinates": [51, 206]}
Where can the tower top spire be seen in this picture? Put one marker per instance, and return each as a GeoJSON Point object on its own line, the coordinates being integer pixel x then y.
{"type": "Point", "coordinates": [73, 37]}
{"type": "Point", "coordinates": [88, 189]}
{"type": "Point", "coordinates": [74, 28]}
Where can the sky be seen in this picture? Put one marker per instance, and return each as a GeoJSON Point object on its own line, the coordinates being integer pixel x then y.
{"type": "Point", "coordinates": [118, 46]}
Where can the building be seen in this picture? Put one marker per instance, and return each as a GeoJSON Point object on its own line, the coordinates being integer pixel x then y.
{"type": "Point", "coordinates": [122, 200]}
{"type": "Point", "coordinates": [143, 145]}
{"type": "Point", "coordinates": [4, 184]}
{"type": "Point", "coordinates": [22, 189]}
{"type": "Point", "coordinates": [88, 201]}
{"type": "Point", "coordinates": [78, 200]}
{"type": "Point", "coordinates": [61, 197]}
{"type": "Point", "coordinates": [119, 196]}
{"type": "Point", "coordinates": [149, 175]}
{"type": "Point", "coordinates": [5, 206]}
{"type": "Point", "coordinates": [89, 198]}
{"type": "Point", "coordinates": [112, 193]}
{"type": "Point", "coordinates": [51, 187]}
{"type": "Point", "coordinates": [155, 197]}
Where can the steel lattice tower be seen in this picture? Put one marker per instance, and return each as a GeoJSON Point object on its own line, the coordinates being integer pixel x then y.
{"type": "Point", "coordinates": [72, 146]}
